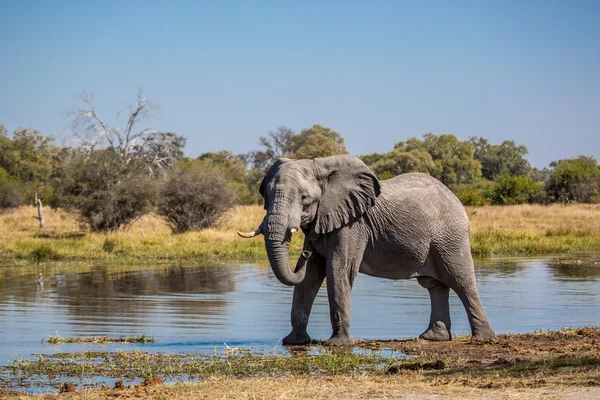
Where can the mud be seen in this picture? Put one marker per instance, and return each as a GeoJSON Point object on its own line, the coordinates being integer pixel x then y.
{"type": "Point", "coordinates": [567, 357]}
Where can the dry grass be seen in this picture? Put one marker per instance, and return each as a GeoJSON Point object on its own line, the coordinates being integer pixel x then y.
{"type": "Point", "coordinates": [529, 229]}
{"type": "Point", "coordinates": [495, 230]}
{"type": "Point", "coordinates": [341, 387]}
{"type": "Point", "coordinates": [148, 239]}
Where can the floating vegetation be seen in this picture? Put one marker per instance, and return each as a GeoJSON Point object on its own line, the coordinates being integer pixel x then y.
{"type": "Point", "coordinates": [56, 339]}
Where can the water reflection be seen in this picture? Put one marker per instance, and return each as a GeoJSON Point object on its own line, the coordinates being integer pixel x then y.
{"type": "Point", "coordinates": [580, 269]}
{"type": "Point", "coordinates": [195, 308]}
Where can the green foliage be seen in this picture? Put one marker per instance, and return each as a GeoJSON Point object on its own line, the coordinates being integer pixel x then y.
{"type": "Point", "coordinates": [194, 197]}
{"type": "Point", "coordinates": [233, 168]}
{"type": "Point", "coordinates": [512, 189]}
{"type": "Point", "coordinates": [442, 156]}
{"type": "Point", "coordinates": [314, 142]}
{"type": "Point", "coordinates": [540, 175]}
{"type": "Point", "coordinates": [32, 163]}
{"type": "Point", "coordinates": [454, 162]}
{"type": "Point", "coordinates": [399, 161]}
{"type": "Point", "coordinates": [575, 179]}
{"type": "Point", "coordinates": [44, 252]}
{"type": "Point", "coordinates": [317, 141]}
{"type": "Point", "coordinates": [500, 159]}
{"type": "Point", "coordinates": [10, 191]}
{"type": "Point", "coordinates": [474, 194]}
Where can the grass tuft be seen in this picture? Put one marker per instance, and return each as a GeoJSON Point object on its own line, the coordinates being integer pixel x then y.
{"type": "Point", "coordinates": [57, 339]}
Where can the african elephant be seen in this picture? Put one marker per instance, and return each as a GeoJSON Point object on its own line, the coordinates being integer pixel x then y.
{"type": "Point", "coordinates": [411, 226]}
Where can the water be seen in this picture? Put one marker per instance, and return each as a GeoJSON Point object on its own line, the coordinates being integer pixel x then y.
{"type": "Point", "coordinates": [199, 308]}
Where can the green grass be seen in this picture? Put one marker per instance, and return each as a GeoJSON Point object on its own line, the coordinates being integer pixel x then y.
{"type": "Point", "coordinates": [56, 339]}
{"type": "Point", "coordinates": [242, 363]}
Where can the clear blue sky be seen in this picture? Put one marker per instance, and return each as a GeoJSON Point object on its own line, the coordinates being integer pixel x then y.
{"type": "Point", "coordinates": [226, 72]}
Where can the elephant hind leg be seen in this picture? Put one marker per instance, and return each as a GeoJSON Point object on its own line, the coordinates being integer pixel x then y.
{"type": "Point", "coordinates": [458, 273]}
{"type": "Point", "coordinates": [480, 326]}
{"type": "Point", "coordinates": [439, 322]}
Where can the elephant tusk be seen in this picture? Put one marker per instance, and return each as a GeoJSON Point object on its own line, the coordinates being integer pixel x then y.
{"type": "Point", "coordinates": [294, 230]}
{"type": "Point", "coordinates": [306, 253]}
{"type": "Point", "coordinates": [249, 234]}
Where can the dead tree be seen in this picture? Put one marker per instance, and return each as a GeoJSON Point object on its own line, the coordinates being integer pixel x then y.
{"type": "Point", "coordinates": [40, 216]}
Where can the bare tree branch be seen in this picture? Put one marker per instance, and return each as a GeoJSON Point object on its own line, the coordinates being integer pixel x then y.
{"type": "Point", "coordinates": [89, 133]}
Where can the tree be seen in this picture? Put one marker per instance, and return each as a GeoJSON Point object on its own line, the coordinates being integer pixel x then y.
{"type": "Point", "coordinates": [276, 145]}
{"type": "Point", "coordinates": [442, 156]}
{"type": "Point", "coordinates": [314, 142]}
{"type": "Point", "coordinates": [111, 169]}
{"type": "Point", "coordinates": [194, 197]}
{"type": "Point", "coordinates": [317, 141]}
{"type": "Point", "coordinates": [503, 159]}
{"type": "Point", "coordinates": [233, 168]}
{"type": "Point", "coordinates": [32, 160]}
{"type": "Point", "coordinates": [159, 150]}
{"type": "Point", "coordinates": [453, 159]}
{"type": "Point", "coordinates": [575, 179]}
{"type": "Point", "coordinates": [10, 191]}
{"type": "Point", "coordinates": [401, 160]}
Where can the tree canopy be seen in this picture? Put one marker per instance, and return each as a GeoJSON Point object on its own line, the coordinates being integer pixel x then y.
{"type": "Point", "coordinates": [500, 159]}
{"type": "Point", "coordinates": [314, 142]}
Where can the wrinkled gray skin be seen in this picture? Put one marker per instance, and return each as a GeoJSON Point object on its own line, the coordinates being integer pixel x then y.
{"type": "Point", "coordinates": [410, 226]}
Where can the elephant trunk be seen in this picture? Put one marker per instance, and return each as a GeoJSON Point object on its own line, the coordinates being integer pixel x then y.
{"type": "Point", "coordinates": [277, 245]}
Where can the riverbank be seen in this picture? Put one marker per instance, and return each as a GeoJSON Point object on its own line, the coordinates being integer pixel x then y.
{"type": "Point", "coordinates": [552, 365]}
{"type": "Point", "coordinates": [495, 230]}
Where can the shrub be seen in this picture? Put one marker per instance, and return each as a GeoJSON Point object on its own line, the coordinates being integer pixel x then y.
{"type": "Point", "coordinates": [105, 193]}
{"type": "Point", "coordinates": [575, 179]}
{"type": "Point", "coordinates": [10, 196]}
{"type": "Point", "coordinates": [10, 191]}
{"type": "Point", "coordinates": [508, 189]}
{"type": "Point", "coordinates": [474, 194]}
{"type": "Point", "coordinates": [194, 197]}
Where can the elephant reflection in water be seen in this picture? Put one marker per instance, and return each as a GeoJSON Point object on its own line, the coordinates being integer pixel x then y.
{"type": "Point", "coordinates": [410, 226]}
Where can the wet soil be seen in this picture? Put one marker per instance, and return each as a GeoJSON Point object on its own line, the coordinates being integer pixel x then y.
{"type": "Point", "coordinates": [567, 357]}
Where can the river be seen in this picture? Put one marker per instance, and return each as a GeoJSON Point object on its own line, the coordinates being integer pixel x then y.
{"type": "Point", "coordinates": [199, 308]}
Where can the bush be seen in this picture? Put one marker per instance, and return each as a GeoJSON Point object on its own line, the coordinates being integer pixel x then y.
{"type": "Point", "coordinates": [575, 179]}
{"type": "Point", "coordinates": [508, 189]}
{"type": "Point", "coordinates": [194, 197]}
{"type": "Point", "coordinates": [10, 191]}
{"type": "Point", "coordinates": [105, 193]}
{"type": "Point", "coordinates": [10, 196]}
{"type": "Point", "coordinates": [474, 194]}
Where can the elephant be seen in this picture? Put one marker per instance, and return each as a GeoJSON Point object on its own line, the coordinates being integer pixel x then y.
{"type": "Point", "coordinates": [410, 226]}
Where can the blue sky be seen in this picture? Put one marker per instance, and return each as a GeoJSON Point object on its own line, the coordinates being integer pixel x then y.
{"type": "Point", "coordinates": [225, 73]}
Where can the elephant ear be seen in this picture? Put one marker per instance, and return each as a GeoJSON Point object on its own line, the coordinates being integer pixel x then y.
{"type": "Point", "coordinates": [270, 175]}
{"type": "Point", "coordinates": [349, 190]}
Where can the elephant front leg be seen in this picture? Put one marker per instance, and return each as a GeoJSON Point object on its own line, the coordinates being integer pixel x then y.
{"type": "Point", "coordinates": [340, 279]}
{"type": "Point", "coordinates": [304, 297]}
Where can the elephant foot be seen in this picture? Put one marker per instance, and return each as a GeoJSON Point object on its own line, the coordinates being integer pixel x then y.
{"type": "Point", "coordinates": [437, 332]}
{"type": "Point", "coordinates": [339, 340]}
{"type": "Point", "coordinates": [483, 334]}
{"type": "Point", "coordinates": [296, 338]}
